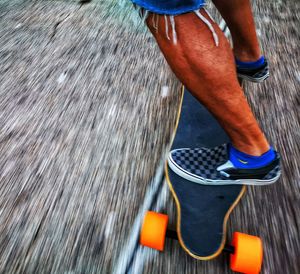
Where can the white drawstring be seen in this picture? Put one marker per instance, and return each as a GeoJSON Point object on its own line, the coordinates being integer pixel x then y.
{"type": "Point", "coordinates": [212, 19]}
{"type": "Point", "coordinates": [173, 30]}
{"type": "Point", "coordinates": [145, 15]}
{"type": "Point", "coordinates": [155, 20]}
{"type": "Point", "coordinates": [209, 25]}
{"type": "Point", "coordinates": [153, 17]}
{"type": "Point", "coordinates": [167, 27]}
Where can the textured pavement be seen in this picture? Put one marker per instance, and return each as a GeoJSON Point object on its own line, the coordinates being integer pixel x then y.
{"type": "Point", "coordinates": [87, 109]}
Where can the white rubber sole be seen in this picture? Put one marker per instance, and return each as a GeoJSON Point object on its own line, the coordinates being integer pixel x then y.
{"type": "Point", "coordinates": [254, 80]}
{"type": "Point", "coordinates": [200, 180]}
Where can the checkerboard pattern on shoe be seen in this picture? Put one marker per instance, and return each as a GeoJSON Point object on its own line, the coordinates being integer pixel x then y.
{"type": "Point", "coordinates": [200, 165]}
{"type": "Point", "coordinates": [261, 73]}
{"type": "Point", "coordinates": [201, 162]}
{"type": "Point", "coordinates": [254, 75]}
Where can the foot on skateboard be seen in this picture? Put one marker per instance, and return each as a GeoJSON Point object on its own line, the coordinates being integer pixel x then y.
{"type": "Point", "coordinates": [202, 210]}
{"type": "Point", "coordinates": [254, 74]}
{"type": "Point", "coordinates": [211, 166]}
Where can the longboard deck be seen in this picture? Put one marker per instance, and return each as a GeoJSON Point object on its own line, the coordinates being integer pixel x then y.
{"type": "Point", "coordinates": [202, 211]}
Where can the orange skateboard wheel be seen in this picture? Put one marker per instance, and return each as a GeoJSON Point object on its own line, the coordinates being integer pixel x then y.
{"type": "Point", "coordinates": [248, 253]}
{"type": "Point", "coordinates": [153, 232]}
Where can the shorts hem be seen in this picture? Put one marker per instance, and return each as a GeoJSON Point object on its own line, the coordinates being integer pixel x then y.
{"type": "Point", "coordinates": [168, 11]}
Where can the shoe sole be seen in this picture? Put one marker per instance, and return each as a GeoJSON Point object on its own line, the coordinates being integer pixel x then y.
{"type": "Point", "coordinates": [199, 180]}
{"type": "Point", "coordinates": [254, 80]}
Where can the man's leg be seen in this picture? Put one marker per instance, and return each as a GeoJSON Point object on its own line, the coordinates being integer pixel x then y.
{"type": "Point", "coordinates": [238, 17]}
{"type": "Point", "coordinates": [251, 65]}
{"type": "Point", "coordinates": [209, 72]}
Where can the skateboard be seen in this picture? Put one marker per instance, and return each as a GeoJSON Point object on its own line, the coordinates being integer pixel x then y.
{"type": "Point", "coordinates": [202, 210]}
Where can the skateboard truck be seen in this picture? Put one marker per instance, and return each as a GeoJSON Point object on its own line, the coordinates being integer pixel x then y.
{"type": "Point", "coordinates": [245, 250]}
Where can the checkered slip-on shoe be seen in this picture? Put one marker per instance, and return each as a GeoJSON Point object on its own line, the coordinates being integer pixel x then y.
{"type": "Point", "coordinates": [210, 166]}
{"type": "Point", "coordinates": [254, 75]}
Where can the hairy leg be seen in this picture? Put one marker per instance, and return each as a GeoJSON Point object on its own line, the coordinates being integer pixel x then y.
{"type": "Point", "coordinates": [209, 72]}
{"type": "Point", "coordinates": [238, 17]}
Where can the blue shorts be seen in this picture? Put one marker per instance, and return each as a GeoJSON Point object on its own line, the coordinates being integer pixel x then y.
{"type": "Point", "coordinates": [170, 7]}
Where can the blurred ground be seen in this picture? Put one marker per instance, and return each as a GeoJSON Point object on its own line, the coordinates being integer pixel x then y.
{"type": "Point", "coordinates": [87, 108]}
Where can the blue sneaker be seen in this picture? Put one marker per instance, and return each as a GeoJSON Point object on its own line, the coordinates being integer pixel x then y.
{"type": "Point", "coordinates": [253, 71]}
